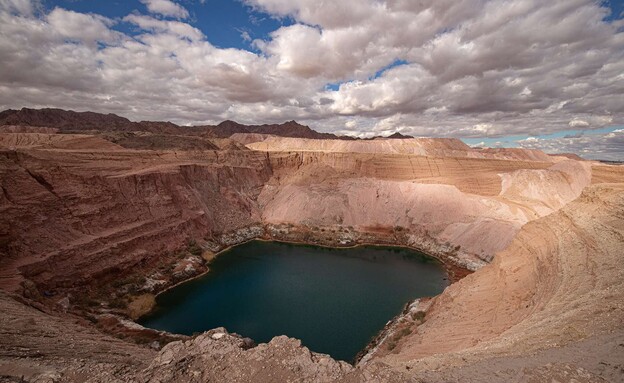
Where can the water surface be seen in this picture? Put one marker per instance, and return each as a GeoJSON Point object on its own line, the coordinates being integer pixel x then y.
{"type": "Point", "coordinates": [334, 300]}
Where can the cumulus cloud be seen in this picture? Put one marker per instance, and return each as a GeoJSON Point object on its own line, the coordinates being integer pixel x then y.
{"type": "Point", "coordinates": [604, 146]}
{"type": "Point", "coordinates": [22, 7]}
{"type": "Point", "coordinates": [576, 123]}
{"type": "Point", "coordinates": [181, 30]}
{"type": "Point", "coordinates": [469, 69]}
{"type": "Point", "coordinates": [166, 8]}
{"type": "Point", "coordinates": [82, 27]}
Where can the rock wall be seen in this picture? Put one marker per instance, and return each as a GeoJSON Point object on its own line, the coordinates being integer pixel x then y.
{"type": "Point", "coordinates": [69, 217]}
{"type": "Point", "coordinates": [431, 147]}
{"type": "Point", "coordinates": [451, 200]}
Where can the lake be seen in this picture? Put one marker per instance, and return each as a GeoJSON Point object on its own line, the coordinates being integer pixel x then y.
{"type": "Point", "coordinates": [334, 300]}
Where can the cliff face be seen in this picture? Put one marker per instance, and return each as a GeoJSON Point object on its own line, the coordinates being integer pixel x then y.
{"type": "Point", "coordinates": [80, 209]}
{"type": "Point", "coordinates": [418, 146]}
{"type": "Point", "coordinates": [69, 216]}
{"type": "Point", "coordinates": [476, 204]}
{"type": "Point", "coordinates": [87, 203]}
{"type": "Point", "coordinates": [431, 147]}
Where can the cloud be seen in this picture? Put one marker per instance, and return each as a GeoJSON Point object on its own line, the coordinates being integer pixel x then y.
{"type": "Point", "coordinates": [245, 35]}
{"type": "Point", "coordinates": [469, 69]}
{"type": "Point", "coordinates": [530, 140]}
{"type": "Point", "coordinates": [578, 124]}
{"type": "Point", "coordinates": [82, 27]}
{"type": "Point", "coordinates": [603, 146]}
{"type": "Point", "coordinates": [179, 29]}
{"type": "Point", "coordinates": [21, 7]}
{"type": "Point", "coordinates": [166, 8]}
{"type": "Point", "coordinates": [325, 14]}
{"type": "Point", "coordinates": [576, 135]}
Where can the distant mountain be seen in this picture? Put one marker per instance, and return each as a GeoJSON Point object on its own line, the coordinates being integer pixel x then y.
{"type": "Point", "coordinates": [70, 121]}
{"type": "Point", "coordinates": [65, 120]}
{"type": "Point", "coordinates": [287, 129]}
{"type": "Point", "coordinates": [399, 136]}
{"type": "Point", "coordinates": [160, 127]}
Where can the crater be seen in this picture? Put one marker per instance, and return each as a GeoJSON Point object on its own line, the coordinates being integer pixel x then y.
{"type": "Point", "coordinates": [334, 300]}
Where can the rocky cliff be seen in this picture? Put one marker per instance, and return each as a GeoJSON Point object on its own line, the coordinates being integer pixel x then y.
{"type": "Point", "coordinates": [475, 204]}
{"type": "Point", "coordinates": [70, 215]}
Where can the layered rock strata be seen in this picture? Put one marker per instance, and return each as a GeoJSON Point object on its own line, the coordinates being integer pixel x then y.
{"type": "Point", "coordinates": [81, 213]}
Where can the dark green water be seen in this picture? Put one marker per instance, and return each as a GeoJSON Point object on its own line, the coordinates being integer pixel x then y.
{"type": "Point", "coordinates": [334, 300]}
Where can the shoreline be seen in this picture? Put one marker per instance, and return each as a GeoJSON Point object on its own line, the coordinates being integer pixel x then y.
{"type": "Point", "coordinates": [449, 267]}
{"type": "Point", "coordinates": [453, 272]}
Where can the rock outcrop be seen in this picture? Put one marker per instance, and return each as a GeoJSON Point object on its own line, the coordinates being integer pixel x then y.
{"type": "Point", "coordinates": [36, 346]}
{"type": "Point", "coordinates": [219, 356]}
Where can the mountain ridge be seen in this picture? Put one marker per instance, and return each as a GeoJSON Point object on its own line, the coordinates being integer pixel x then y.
{"type": "Point", "coordinates": [67, 121]}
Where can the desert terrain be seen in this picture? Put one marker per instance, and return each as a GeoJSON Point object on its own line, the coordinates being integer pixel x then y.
{"type": "Point", "coordinates": [99, 214]}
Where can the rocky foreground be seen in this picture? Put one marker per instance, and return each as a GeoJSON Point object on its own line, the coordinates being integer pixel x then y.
{"type": "Point", "coordinates": [93, 225]}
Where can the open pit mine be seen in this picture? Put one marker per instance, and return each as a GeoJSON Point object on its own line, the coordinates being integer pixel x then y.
{"type": "Point", "coordinates": [98, 215]}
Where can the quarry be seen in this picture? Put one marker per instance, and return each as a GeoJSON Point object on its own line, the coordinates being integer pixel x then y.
{"type": "Point", "coordinates": [99, 216]}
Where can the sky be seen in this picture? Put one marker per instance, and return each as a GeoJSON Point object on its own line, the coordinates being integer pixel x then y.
{"type": "Point", "coordinates": [522, 73]}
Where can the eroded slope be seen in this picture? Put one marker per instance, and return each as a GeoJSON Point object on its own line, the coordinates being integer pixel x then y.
{"type": "Point", "coordinates": [559, 283]}
{"type": "Point", "coordinates": [476, 204]}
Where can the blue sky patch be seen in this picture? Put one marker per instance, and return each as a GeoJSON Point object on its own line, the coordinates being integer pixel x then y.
{"type": "Point", "coordinates": [394, 64]}
{"type": "Point", "coordinates": [226, 23]}
{"type": "Point", "coordinates": [617, 9]}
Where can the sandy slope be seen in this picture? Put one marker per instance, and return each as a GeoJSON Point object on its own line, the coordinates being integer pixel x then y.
{"type": "Point", "coordinates": [559, 285]}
